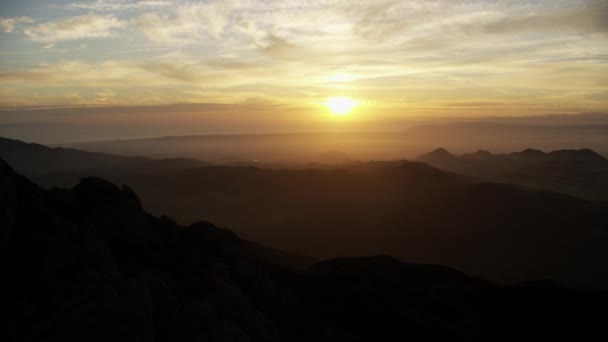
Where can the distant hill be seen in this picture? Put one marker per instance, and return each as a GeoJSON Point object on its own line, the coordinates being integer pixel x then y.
{"type": "Point", "coordinates": [35, 158]}
{"type": "Point", "coordinates": [509, 134]}
{"type": "Point", "coordinates": [410, 210]}
{"type": "Point", "coordinates": [407, 209]}
{"type": "Point", "coordinates": [408, 139]}
{"type": "Point", "coordinates": [88, 264]}
{"type": "Point", "coordinates": [580, 172]}
{"type": "Point", "coordinates": [584, 158]}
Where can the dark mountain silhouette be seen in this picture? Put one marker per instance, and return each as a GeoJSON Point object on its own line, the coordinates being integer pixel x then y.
{"type": "Point", "coordinates": [509, 134]}
{"type": "Point", "coordinates": [580, 172]}
{"type": "Point", "coordinates": [582, 157]}
{"type": "Point", "coordinates": [67, 166]}
{"type": "Point", "coordinates": [289, 260]}
{"type": "Point", "coordinates": [35, 158]}
{"type": "Point", "coordinates": [407, 209]}
{"type": "Point", "coordinates": [410, 210]}
{"type": "Point", "coordinates": [441, 156]}
{"type": "Point", "coordinates": [88, 264]}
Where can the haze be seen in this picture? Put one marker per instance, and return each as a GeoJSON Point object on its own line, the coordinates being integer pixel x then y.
{"type": "Point", "coordinates": [320, 170]}
{"type": "Point", "coordinates": [98, 70]}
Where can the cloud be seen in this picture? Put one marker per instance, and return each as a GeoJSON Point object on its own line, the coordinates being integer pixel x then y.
{"type": "Point", "coordinates": [188, 23]}
{"type": "Point", "coordinates": [72, 28]}
{"type": "Point", "coordinates": [171, 51]}
{"type": "Point", "coordinates": [180, 71]}
{"type": "Point", "coordinates": [591, 18]}
{"type": "Point", "coordinates": [279, 47]}
{"type": "Point", "coordinates": [105, 74]}
{"type": "Point", "coordinates": [162, 28]}
{"type": "Point", "coordinates": [386, 20]}
{"type": "Point", "coordinates": [105, 96]}
{"type": "Point", "coordinates": [119, 5]}
{"type": "Point", "coordinates": [8, 24]}
{"type": "Point", "coordinates": [250, 23]}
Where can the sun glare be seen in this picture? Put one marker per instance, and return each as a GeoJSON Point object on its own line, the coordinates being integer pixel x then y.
{"type": "Point", "coordinates": [341, 105]}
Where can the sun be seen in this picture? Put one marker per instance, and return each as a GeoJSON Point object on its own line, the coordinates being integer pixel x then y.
{"type": "Point", "coordinates": [341, 105]}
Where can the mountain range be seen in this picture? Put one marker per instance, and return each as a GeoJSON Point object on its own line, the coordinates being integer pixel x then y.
{"type": "Point", "coordinates": [406, 209]}
{"type": "Point", "coordinates": [89, 264]}
{"type": "Point", "coordinates": [405, 138]}
{"type": "Point", "coordinates": [580, 172]}
{"type": "Point", "coordinates": [38, 158]}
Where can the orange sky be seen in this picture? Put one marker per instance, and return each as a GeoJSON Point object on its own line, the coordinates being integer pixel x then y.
{"type": "Point", "coordinates": [274, 64]}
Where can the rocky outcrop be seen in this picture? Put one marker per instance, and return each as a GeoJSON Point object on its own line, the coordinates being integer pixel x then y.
{"type": "Point", "coordinates": [90, 264]}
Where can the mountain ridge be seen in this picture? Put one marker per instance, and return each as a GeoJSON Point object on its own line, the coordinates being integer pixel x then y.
{"type": "Point", "coordinates": [90, 264]}
{"type": "Point", "coordinates": [579, 172]}
{"type": "Point", "coordinates": [413, 211]}
{"type": "Point", "coordinates": [36, 158]}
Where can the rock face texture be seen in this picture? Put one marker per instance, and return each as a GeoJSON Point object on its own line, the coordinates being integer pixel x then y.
{"type": "Point", "coordinates": [88, 264]}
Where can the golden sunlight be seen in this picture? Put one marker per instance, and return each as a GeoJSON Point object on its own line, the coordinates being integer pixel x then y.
{"type": "Point", "coordinates": [341, 105]}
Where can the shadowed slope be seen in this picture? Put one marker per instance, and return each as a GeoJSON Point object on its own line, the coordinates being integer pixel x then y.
{"type": "Point", "coordinates": [406, 209]}
{"type": "Point", "coordinates": [582, 172]}
{"type": "Point", "coordinates": [37, 159]}
{"type": "Point", "coordinates": [90, 264]}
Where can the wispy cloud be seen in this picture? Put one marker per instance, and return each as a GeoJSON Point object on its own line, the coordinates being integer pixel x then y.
{"type": "Point", "coordinates": [189, 23]}
{"type": "Point", "coordinates": [8, 24]}
{"type": "Point", "coordinates": [79, 27]}
{"type": "Point", "coordinates": [119, 5]}
{"type": "Point", "coordinates": [439, 52]}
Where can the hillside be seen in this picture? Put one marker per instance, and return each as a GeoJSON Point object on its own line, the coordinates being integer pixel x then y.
{"type": "Point", "coordinates": [35, 158]}
{"type": "Point", "coordinates": [581, 172]}
{"type": "Point", "coordinates": [410, 210]}
{"type": "Point", "coordinates": [406, 209]}
{"type": "Point", "coordinates": [90, 264]}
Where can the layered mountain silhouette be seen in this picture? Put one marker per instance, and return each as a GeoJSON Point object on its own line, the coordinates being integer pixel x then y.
{"type": "Point", "coordinates": [412, 137]}
{"type": "Point", "coordinates": [580, 172]}
{"type": "Point", "coordinates": [549, 132]}
{"type": "Point", "coordinates": [409, 210]}
{"type": "Point", "coordinates": [35, 158]}
{"type": "Point", "coordinates": [89, 264]}
{"type": "Point", "coordinates": [406, 209]}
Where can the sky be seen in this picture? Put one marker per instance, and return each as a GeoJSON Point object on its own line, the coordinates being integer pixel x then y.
{"type": "Point", "coordinates": [72, 70]}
